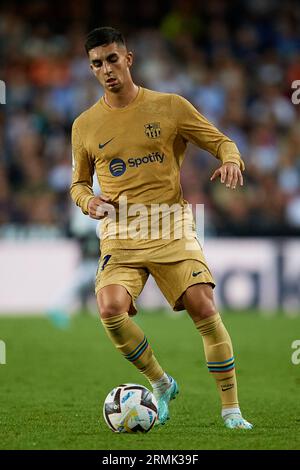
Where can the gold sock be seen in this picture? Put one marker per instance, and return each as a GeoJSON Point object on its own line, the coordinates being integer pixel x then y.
{"type": "Point", "coordinates": [130, 340]}
{"type": "Point", "coordinates": [219, 357]}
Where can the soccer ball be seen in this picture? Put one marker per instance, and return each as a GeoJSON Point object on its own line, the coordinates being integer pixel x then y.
{"type": "Point", "coordinates": [130, 408]}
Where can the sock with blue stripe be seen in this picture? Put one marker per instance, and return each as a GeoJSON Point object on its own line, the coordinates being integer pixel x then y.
{"type": "Point", "coordinates": [219, 358]}
{"type": "Point", "coordinates": [130, 340]}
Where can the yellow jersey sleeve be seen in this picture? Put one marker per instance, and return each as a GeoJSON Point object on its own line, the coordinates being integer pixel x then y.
{"type": "Point", "coordinates": [82, 174]}
{"type": "Point", "coordinates": [195, 128]}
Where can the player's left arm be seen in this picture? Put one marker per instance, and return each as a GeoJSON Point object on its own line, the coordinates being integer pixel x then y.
{"type": "Point", "coordinates": [230, 174]}
{"type": "Point", "coordinates": [195, 128]}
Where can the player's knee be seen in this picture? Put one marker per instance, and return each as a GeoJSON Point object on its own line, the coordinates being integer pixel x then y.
{"type": "Point", "coordinates": [199, 302]}
{"type": "Point", "coordinates": [202, 310]}
{"type": "Point", "coordinates": [113, 300]}
{"type": "Point", "coordinates": [111, 307]}
{"type": "Point", "coordinates": [206, 309]}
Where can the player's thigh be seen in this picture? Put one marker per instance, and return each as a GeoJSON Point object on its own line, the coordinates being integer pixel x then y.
{"type": "Point", "coordinates": [117, 288]}
{"type": "Point", "coordinates": [112, 300]}
{"type": "Point", "coordinates": [198, 300]}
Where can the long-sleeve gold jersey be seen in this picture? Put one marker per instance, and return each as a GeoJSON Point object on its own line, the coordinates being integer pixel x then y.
{"type": "Point", "coordinates": [137, 151]}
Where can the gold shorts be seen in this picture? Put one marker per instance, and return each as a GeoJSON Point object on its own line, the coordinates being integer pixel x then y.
{"type": "Point", "coordinates": [174, 264]}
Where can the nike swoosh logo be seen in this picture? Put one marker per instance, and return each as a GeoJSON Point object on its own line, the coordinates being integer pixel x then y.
{"type": "Point", "coordinates": [224, 389]}
{"type": "Point", "coordinates": [196, 273]}
{"type": "Point", "coordinates": [105, 143]}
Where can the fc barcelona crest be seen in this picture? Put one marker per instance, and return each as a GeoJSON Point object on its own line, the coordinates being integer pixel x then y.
{"type": "Point", "coordinates": [152, 130]}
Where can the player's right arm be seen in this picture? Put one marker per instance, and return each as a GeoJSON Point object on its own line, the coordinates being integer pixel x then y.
{"type": "Point", "coordinates": [98, 207]}
{"type": "Point", "coordinates": [82, 179]}
{"type": "Point", "coordinates": [83, 170]}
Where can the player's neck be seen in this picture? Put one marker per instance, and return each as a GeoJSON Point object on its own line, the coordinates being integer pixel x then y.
{"type": "Point", "coordinates": [123, 98]}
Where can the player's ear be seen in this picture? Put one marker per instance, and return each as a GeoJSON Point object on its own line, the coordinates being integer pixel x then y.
{"type": "Point", "coordinates": [129, 58]}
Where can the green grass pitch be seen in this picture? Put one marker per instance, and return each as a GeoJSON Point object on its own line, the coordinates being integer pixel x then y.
{"type": "Point", "coordinates": [54, 383]}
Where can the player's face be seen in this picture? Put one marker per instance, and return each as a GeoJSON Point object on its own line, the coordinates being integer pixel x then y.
{"type": "Point", "coordinates": [110, 64]}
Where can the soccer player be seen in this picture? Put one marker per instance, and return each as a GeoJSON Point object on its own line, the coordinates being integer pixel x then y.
{"type": "Point", "coordinates": [135, 140]}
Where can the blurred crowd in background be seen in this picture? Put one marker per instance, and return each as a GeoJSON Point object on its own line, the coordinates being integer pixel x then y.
{"type": "Point", "coordinates": [234, 60]}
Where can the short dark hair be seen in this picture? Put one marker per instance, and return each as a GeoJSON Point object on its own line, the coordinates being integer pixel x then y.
{"type": "Point", "coordinates": [104, 35]}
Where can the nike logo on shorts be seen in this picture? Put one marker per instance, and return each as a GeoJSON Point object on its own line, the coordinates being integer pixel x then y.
{"type": "Point", "coordinates": [196, 273]}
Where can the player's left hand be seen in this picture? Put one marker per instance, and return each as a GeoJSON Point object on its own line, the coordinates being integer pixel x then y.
{"type": "Point", "coordinates": [230, 174]}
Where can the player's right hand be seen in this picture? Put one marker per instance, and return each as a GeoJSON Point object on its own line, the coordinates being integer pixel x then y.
{"type": "Point", "coordinates": [99, 207]}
